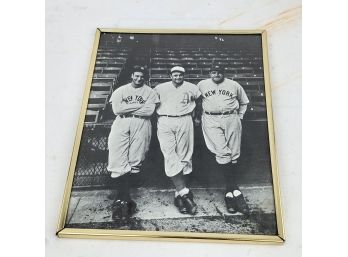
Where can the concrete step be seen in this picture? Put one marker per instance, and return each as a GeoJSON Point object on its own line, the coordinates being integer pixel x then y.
{"type": "Point", "coordinates": [156, 211]}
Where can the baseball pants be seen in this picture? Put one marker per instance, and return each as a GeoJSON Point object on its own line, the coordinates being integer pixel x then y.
{"type": "Point", "coordinates": [222, 135]}
{"type": "Point", "coordinates": [129, 140]}
{"type": "Point", "coordinates": [175, 135]}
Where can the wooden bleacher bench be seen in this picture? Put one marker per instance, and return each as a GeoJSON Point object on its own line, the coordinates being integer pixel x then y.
{"type": "Point", "coordinates": [91, 116]}
{"type": "Point", "coordinates": [113, 60]}
{"type": "Point", "coordinates": [159, 76]}
{"type": "Point", "coordinates": [98, 69]}
{"type": "Point", "coordinates": [193, 71]}
{"type": "Point", "coordinates": [99, 94]}
{"type": "Point", "coordinates": [258, 100]}
{"type": "Point", "coordinates": [204, 65]}
{"type": "Point", "coordinates": [186, 58]}
{"type": "Point", "coordinates": [219, 59]}
{"type": "Point", "coordinates": [98, 100]}
{"type": "Point", "coordinates": [115, 65]}
{"type": "Point", "coordinates": [103, 75]}
{"type": "Point", "coordinates": [189, 64]}
{"type": "Point", "coordinates": [104, 80]}
{"type": "Point", "coordinates": [115, 70]}
{"type": "Point", "coordinates": [100, 86]}
{"type": "Point", "coordinates": [220, 63]}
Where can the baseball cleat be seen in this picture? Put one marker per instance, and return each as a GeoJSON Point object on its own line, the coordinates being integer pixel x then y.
{"type": "Point", "coordinates": [132, 206]}
{"type": "Point", "coordinates": [179, 203]}
{"type": "Point", "coordinates": [240, 204]}
{"type": "Point", "coordinates": [230, 204]}
{"type": "Point", "coordinates": [123, 209]}
{"type": "Point", "coordinates": [119, 210]}
{"type": "Point", "coordinates": [190, 205]}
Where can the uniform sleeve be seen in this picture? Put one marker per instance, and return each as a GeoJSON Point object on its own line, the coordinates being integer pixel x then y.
{"type": "Point", "coordinates": [116, 100]}
{"type": "Point", "coordinates": [242, 96]}
{"type": "Point", "coordinates": [157, 92]}
{"type": "Point", "coordinates": [153, 98]}
{"type": "Point", "coordinates": [199, 86]}
{"type": "Point", "coordinates": [197, 92]}
{"type": "Point", "coordinates": [243, 101]}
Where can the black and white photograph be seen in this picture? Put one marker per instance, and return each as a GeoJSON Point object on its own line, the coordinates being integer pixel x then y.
{"type": "Point", "coordinates": [176, 135]}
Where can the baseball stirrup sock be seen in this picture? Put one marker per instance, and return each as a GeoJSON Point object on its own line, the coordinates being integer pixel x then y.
{"type": "Point", "coordinates": [229, 171]}
{"type": "Point", "coordinates": [122, 185]}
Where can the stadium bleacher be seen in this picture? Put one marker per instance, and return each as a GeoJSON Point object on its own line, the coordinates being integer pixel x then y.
{"type": "Point", "coordinates": [113, 59]}
{"type": "Point", "coordinates": [109, 65]}
{"type": "Point", "coordinates": [245, 68]}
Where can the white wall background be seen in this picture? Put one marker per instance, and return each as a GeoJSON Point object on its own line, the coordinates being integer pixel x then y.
{"type": "Point", "coordinates": [70, 29]}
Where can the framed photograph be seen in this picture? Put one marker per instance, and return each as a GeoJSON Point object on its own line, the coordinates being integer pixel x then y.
{"type": "Point", "coordinates": [175, 140]}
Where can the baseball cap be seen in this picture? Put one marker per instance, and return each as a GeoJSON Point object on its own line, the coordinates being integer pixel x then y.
{"type": "Point", "coordinates": [138, 68]}
{"type": "Point", "coordinates": [217, 68]}
{"type": "Point", "coordinates": [177, 68]}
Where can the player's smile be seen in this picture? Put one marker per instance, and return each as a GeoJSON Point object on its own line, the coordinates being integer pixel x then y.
{"type": "Point", "coordinates": [177, 77]}
{"type": "Point", "coordinates": [138, 79]}
{"type": "Point", "coordinates": [217, 77]}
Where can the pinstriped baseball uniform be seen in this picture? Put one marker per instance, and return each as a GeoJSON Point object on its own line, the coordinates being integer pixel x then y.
{"type": "Point", "coordinates": [175, 134]}
{"type": "Point", "coordinates": [129, 139]}
{"type": "Point", "coordinates": [223, 132]}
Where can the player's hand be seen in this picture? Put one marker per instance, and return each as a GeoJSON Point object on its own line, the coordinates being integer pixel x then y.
{"type": "Point", "coordinates": [241, 121]}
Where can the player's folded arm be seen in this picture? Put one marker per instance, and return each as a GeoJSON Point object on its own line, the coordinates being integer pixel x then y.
{"type": "Point", "coordinates": [124, 108]}
{"type": "Point", "coordinates": [145, 110]}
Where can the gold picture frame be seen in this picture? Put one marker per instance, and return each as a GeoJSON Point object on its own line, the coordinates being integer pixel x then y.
{"type": "Point", "coordinates": [85, 232]}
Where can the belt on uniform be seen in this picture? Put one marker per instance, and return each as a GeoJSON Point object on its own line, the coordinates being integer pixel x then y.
{"type": "Point", "coordinates": [132, 116]}
{"type": "Point", "coordinates": [221, 113]}
{"type": "Point", "coordinates": [164, 115]}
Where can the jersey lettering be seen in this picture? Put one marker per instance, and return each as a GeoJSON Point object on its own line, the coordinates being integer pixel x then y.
{"type": "Point", "coordinates": [225, 92]}
{"type": "Point", "coordinates": [210, 93]}
{"type": "Point", "coordinates": [137, 98]}
{"type": "Point", "coordinates": [220, 92]}
{"type": "Point", "coordinates": [186, 99]}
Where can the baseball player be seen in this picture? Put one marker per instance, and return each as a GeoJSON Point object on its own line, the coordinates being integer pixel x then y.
{"type": "Point", "coordinates": [175, 134]}
{"type": "Point", "coordinates": [129, 137]}
{"type": "Point", "coordinates": [224, 104]}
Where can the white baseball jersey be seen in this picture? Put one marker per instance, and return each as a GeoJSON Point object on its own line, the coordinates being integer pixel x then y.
{"type": "Point", "coordinates": [130, 137]}
{"type": "Point", "coordinates": [128, 99]}
{"type": "Point", "coordinates": [177, 101]}
{"type": "Point", "coordinates": [175, 134]}
{"type": "Point", "coordinates": [223, 132]}
{"type": "Point", "coordinates": [223, 97]}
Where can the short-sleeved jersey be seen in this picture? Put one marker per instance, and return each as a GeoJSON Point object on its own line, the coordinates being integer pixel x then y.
{"type": "Point", "coordinates": [177, 100]}
{"type": "Point", "coordinates": [222, 97]}
{"type": "Point", "coordinates": [134, 96]}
